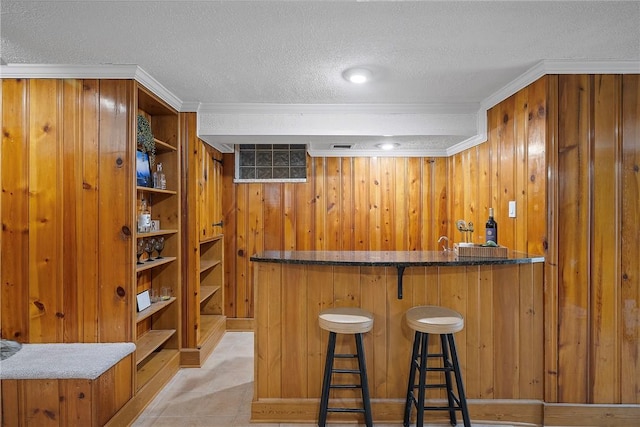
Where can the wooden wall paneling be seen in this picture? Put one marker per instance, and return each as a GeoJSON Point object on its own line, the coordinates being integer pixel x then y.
{"type": "Point", "coordinates": [230, 216]}
{"type": "Point", "coordinates": [487, 326]}
{"type": "Point", "coordinates": [505, 191]}
{"type": "Point", "coordinates": [347, 224]}
{"type": "Point", "coordinates": [362, 183]}
{"type": "Point", "coordinates": [629, 242]}
{"type": "Point", "coordinates": [242, 251]}
{"type": "Point", "coordinates": [71, 180]}
{"type": "Point", "coordinates": [605, 234]}
{"type": "Point", "coordinates": [472, 366]}
{"type": "Point", "coordinates": [41, 403]}
{"type": "Point", "coordinates": [457, 196]}
{"type": "Point", "coordinates": [374, 288]}
{"type": "Point", "coordinates": [375, 203]}
{"type": "Point", "coordinates": [533, 210]}
{"type": "Point", "coordinates": [273, 205]}
{"type": "Point", "coordinates": [400, 224]}
{"type": "Point", "coordinates": [319, 297]}
{"type": "Point", "coordinates": [289, 215]}
{"type": "Point", "coordinates": [386, 207]}
{"type": "Point", "coordinates": [484, 188]}
{"type": "Point", "coordinates": [573, 241]}
{"type": "Point", "coordinates": [294, 327]}
{"type": "Point", "coordinates": [14, 205]}
{"type": "Point", "coordinates": [115, 210]}
{"type": "Point", "coordinates": [45, 221]}
{"type": "Point", "coordinates": [88, 186]}
{"type": "Point", "coordinates": [520, 169]}
{"type": "Point", "coordinates": [439, 194]}
{"type": "Point", "coordinates": [192, 189]}
{"type": "Point", "coordinates": [333, 203]}
{"type": "Point", "coordinates": [396, 321]}
{"type": "Point", "coordinates": [415, 225]}
{"type": "Point", "coordinates": [531, 325]}
{"type": "Point", "coordinates": [255, 243]}
{"type": "Point", "coordinates": [318, 180]}
{"type": "Point", "coordinates": [303, 213]}
{"type": "Point", "coordinates": [551, 245]}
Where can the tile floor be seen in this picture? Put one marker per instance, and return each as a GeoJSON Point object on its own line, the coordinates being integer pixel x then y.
{"type": "Point", "coordinates": [216, 395]}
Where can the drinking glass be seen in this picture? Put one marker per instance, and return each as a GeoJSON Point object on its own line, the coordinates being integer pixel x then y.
{"type": "Point", "coordinates": [140, 250]}
{"type": "Point", "coordinates": [149, 246]}
{"type": "Point", "coordinates": [159, 246]}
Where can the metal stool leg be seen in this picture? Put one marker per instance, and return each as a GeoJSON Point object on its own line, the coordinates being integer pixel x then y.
{"type": "Point", "coordinates": [424, 357]}
{"type": "Point", "coordinates": [412, 378]}
{"type": "Point", "coordinates": [456, 370]}
{"type": "Point", "coordinates": [364, 382]}
{"type": "Point", "coordinates": [447, 368]}
{"type": "Point", "coordinates": [326, 382]}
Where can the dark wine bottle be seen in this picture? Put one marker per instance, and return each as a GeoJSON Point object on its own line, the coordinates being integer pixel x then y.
{"type": "Point", "coordinates": [491, 229]}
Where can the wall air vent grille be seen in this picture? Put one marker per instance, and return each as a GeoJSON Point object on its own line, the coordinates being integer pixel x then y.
{"type": "Point", "coordinates": [342, 146]}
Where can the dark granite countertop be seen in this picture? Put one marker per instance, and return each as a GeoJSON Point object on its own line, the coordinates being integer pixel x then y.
{"type": "Point", "coordinates": [388, 258]}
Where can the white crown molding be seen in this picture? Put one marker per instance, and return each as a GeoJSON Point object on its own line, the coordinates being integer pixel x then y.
{"type": "Point", "coordinates": [101, 71]}
{"type": "Point", "coordinates": [247, 108]}
{"type": "Point", "coordinates": [328, 152]}
{"type": "Point", "coordinates": [62, 71]}
{"type": "Point", "coordinates": [190, 107]}
{"type": "Point", "coordinates": [157, 88]}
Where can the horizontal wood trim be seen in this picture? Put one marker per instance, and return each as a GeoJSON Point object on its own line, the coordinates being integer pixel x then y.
{"type": "Point", "coordinates": [487, 411]}
{"type": "Point", "coordinates": [566, 414]}
{"type": "Point", "coordinates": [238, 324]}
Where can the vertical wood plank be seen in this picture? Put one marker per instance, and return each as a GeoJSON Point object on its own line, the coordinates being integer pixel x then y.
{"type": "Point", "coordinates": [14, 205]}
{"type": "Point", "coordinates": [115, 210]}
{"type": "Point", "coordinates": [88, 238]}
{"type": "Point", "coordinates": [605, 235]}
{"type": "Point", "coordinates": [573, 241]}
{"type": "Point", "coordinates": [231, 202]}
{"type": "Point", "coordinates": [294, 331]}
{"type": "Point", "coordinates": [361, 203]}
{"type": "Point", "coordinates": [45, 244]}
{"type": "Point", "coordinates": [333, 204]}
{"type": "Point", "coordinates": [630, 244]}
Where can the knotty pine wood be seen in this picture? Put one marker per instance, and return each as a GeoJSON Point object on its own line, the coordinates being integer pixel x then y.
{"type": "Point", "coordinates": [502, 306]}
{"type": "Point", "coordinates": [57, 283]}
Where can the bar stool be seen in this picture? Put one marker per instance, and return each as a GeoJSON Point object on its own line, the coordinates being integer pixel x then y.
{"type": "Point", "coordinates": [425, 320]}
{"type": "Point", "coordinates": [345, 321]}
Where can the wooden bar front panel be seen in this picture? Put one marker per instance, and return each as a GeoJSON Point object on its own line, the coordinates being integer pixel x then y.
{"type": "Point", "coordinates": [500, 348]}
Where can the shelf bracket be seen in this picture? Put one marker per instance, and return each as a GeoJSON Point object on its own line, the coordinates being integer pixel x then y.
{"type": "Point", "coordinates": [217, 160]}
{"type": "Point", "coordinates": [217, 224]}
{"type": "Point", "coordinates": [400, 274]}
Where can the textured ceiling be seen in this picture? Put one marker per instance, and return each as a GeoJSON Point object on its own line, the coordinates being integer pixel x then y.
{"type": "Point", "coordinates": [294, 52]}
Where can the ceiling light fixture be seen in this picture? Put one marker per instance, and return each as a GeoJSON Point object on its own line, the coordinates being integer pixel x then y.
{"type": "Point", "coordinates": [388, 146]}
{"type": "Point", "coordinates": [357, 75]}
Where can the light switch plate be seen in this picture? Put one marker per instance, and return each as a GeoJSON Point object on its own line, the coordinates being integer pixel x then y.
{"type": "Point", "coordinates": [512, 209]}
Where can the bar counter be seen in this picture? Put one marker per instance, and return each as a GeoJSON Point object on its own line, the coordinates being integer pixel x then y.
{"type": "Point", "coordinates": [500, 348]}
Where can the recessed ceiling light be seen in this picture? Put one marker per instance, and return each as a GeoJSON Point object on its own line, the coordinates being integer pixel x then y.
{"type": "Point", "coordinates": [357, 75]}
{"type": "Point", "coordinates": [388, 145]}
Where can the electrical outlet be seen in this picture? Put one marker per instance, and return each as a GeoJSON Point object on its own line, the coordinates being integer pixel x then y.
{"type": "Point", "coordinates": [512, 209]}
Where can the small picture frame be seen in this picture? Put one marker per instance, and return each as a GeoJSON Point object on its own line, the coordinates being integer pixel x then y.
{"type": "Point", "coordinates": [143, 170]}
{"type": "Point", "coordinates": [143, 300]}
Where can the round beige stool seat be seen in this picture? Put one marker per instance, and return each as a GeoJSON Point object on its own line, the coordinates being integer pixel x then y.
{"type": "Point", "coordinates": [431, 319]}
{"type": "Point", "coordinates": [346, 320]}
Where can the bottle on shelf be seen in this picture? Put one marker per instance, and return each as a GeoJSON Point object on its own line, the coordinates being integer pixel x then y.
{"type": "Point", "coordinates": [144, 217]}
{"type": "Point", "coordinates": [159, 178]}
{"type": "Point", "coordinates": [491, 229]}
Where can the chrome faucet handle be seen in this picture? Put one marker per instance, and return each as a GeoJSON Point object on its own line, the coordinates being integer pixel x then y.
{"type": "Point", "coordinates": [444, 248]}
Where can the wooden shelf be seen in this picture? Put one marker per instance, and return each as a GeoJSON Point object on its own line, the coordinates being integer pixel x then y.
{"type": "Point", "coordinates": [208, 265]}
{"type": "Point", "coordinates": [207, 291]}
{"type": "Point", "coordinates": [212, 239]}
{"type": "Point", "coordinates": [150, 341]}
{"type": "Point", "coordinates": [156, 190]}
{"type": "Point", "coordinates": [156, 233]}
{"type": "Point", "coordinates": [154, 308]}
{"type": "Point", "coordinates": [163, 147]}
{"type": "Point", "coordinates": [146, 265]}
{"type": "Point", "coordinates": [147, 371]}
